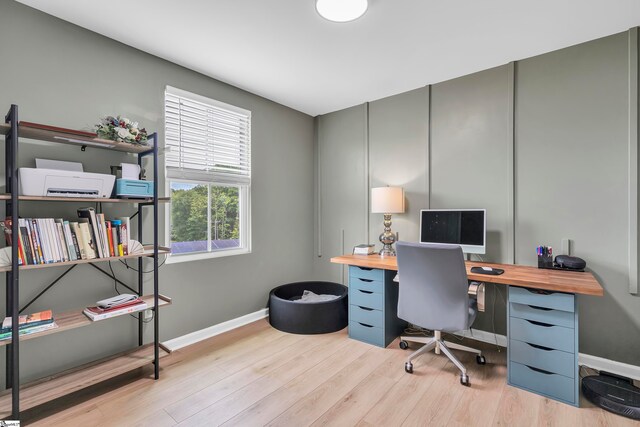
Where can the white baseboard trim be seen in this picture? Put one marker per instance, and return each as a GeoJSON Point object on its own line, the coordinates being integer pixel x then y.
{"type": "Point", "coordinates": [618, 368]}
{"type": "Point", "coordinates": [212, 331]}
{"type": "Point", "coordinates": [598, 363]}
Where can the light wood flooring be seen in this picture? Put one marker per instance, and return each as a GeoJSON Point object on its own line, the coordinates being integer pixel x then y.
{"type": "Point", "coordinates": [256, 376]}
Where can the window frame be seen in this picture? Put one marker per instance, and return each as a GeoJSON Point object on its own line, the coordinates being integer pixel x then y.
{"type": "Point", "coordinates": [244, 197]}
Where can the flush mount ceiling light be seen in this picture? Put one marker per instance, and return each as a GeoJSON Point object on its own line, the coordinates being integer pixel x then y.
{"type": "Point", "coordinates": [341, 10]}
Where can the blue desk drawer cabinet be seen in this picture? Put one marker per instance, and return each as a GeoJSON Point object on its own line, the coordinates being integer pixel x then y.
{"type": "Point", "coordinates": [373, 301]}
{"type": "Point", "coordinates": [543, 343]}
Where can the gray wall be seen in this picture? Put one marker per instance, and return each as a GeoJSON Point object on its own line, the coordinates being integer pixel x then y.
{"type": "Point", "coordinates": [341, 188]}
{"type": "Point", "coordinates": [543, 144]}
{"type": "Point", "coordinates": [398, 153]}
{"type": "Point", "coordinates": [472, 163]}
{"type": "Point", "coordinates": [572, 179]}
{"type": "Point", "coordinates": [63, 75]}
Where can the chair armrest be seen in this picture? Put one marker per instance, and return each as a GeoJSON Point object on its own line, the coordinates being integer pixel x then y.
{"type": "Point", "coordinates": [476, 291]}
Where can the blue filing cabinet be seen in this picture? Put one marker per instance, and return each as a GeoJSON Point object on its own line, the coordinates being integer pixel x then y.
{"type": "Point", "coordinates": [373, 303]}
{"type": "Point", "coordinates": [543, 343]}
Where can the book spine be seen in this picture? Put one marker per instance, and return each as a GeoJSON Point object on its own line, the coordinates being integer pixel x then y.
{"type": "Point", "coordinates": [36, 240]}
{"type": "Point", "coordinates": [103, 232]}
{"type": "Point", "coordinates": [124, 233]}
{"type": "Point", "coordinates": [27, 325]}
{"type": "Point", "coordinates": [110, 238]}
{"type": "Point", "coordinates": [44, 241]}
{"type": "Point", "coordinates": [117, 244]}
{"type": "Point", "coordinates": [121, 240]}
{"type": "Point", "coordinates": [32, 241]}
{"type": "Point", "coordinates": [53, 242]}
{"type": "Point", "coordinates": [92, 240]}
{"type": "Point", "coordinates": [24, 235]}
{"type": "Point", "coordinates": [61, 240]}
{"type": "Point", "coordinates": [21, 254]}
{"type": "Point", "coordinates": [74, 239]}
{"type": "Point", "coordinates": [70, 246]}
{"type": "Point", "coordinates": [94, 223]}
{"type": "Point", "coordinates": [29, 331]}
{"type": "Point", "coordinates": [126, 310]}
{"type": "Point", "coordinates": [77, 240]}
{"type": "Point", "coordinates": [89, 247]}
{"type": "Point", "coordinates": [39, 234]}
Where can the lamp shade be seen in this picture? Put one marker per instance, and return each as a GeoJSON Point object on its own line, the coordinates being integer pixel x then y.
{"type": "Point", "coordinates": [387, 200]}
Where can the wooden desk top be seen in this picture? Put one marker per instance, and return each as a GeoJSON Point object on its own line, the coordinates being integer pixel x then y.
{"type": "Point", "coordinates": [517, 275]}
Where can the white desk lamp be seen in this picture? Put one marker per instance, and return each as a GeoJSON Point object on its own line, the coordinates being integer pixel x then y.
{"type": "Point", "coordinates": [387, 201]}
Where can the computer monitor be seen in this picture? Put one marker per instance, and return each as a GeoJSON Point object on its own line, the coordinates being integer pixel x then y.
{"type": "Point", "coordinates": [463, 227]}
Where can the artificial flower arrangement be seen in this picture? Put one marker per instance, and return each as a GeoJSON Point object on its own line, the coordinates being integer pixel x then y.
{"type": "Point", "coordinates": [121, 129]}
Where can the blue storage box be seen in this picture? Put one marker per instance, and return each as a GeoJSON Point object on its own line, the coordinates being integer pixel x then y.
{"type": "Point", "coordinates": [135, 188]}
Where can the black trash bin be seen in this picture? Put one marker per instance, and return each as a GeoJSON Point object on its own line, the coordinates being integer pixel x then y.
{"type": "Point", "coordinates": [323, 317]}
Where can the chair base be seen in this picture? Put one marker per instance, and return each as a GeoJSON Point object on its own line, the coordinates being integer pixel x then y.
{"type": "Point", "coordinates": [439, 345]}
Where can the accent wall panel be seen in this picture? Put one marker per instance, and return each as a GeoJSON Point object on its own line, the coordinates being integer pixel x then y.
{"type": "Point", "coordinates": [341, 181]}
{"type": "Point", "coordinates": [572, 170]}
{"type": "Point", "coordinates": [399, 157]}
{"type": "Point", "coordinates": [472, 161]}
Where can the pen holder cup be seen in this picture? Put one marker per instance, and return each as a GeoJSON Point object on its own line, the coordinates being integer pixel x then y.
{"type": "Point", "coordinates": [545, 261]}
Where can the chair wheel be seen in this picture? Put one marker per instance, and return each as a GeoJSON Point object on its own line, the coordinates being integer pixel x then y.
{"type": "Point", "coordinates": [404, 345]}
{"type": "Point", "coordinates": [464, 380]}
{"type": "Point", "coordinates": [408, 368]}
{"type": "Point", "coordinates": [481, 360]}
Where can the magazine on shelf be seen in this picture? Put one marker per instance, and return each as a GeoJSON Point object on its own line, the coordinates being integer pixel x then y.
{"type": "Point", "coordinates": [29, 330]}
{"type": "Point", "coordinates": [28, 320]}
{"type": "Point", "coordinates": [97, 313]}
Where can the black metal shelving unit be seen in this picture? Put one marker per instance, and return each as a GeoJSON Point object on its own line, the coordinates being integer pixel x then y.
{"type": "Point", "coordinates": [13, 132]}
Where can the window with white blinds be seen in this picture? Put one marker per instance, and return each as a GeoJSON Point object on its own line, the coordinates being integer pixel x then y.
{"type": "Point", "coordinates": [206, 140]}
{"type": "Point", "coordinates": [208, 170]}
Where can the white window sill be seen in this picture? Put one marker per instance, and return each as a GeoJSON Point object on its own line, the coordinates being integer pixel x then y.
{"type": "Point", "coordinates": [175, 259]}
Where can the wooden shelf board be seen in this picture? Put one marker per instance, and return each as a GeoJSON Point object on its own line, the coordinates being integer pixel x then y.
{"type": "Point", "coordinates": [76, 319]}
{"type": "Point", "coordinates": [67, 382]}
{"type": "Point", "coordinates": [148, 251]}
{"type": "Point", "coordinates": [83, 199]}
{"type": "Point", "coordinates": [72, 139]}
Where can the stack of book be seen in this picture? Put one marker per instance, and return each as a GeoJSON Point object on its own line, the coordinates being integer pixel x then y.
{"type": "Point", "coordinates": [97, 313]}
{"type": "Point", "coordinates": [29, 324]}
{"type": "Point", "coordinates": [364, 249]}
{"type": "Point", "coordinates": [49, 240]}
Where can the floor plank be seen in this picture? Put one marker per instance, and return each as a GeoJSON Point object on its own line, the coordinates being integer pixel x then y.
{"type": "Point", "coordinates": [280, 400]}
{"type": "Point", "coordinates": [313, 405]}
{"type": "Point", "coordinates": [258, 376]}
{"type": "Point", "coordinates": [227, 407]}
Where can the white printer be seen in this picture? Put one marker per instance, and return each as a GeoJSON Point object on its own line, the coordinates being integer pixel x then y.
{"type": "Point", "coordinates": [55, 178]}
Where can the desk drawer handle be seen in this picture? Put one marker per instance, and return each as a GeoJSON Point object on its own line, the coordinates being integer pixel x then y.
{"type": "Point", "coordinates": [365, 280]}
{"type": "Point", "coordinates": [540, 347]}
{"type": "Point", "coordinates": [544, 325]}
{"type": "Point", "coordinates": [542, 371]}
{"type": "Point", "coordinates": [539, 291]}
{"type": "Point", "coordinates": [365, 268]}
{"type": "Point", "coordinates": [365, 325]}
{"type": "Point", "coordinates": [365, 308]}
{"type": "Point", "coordinates": [365, 292]}
{"type": "Point", "coordinates": [536, 307]}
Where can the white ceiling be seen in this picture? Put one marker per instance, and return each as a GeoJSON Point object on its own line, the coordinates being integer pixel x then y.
{"type": "Point", "coordinates": [282, 50]}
